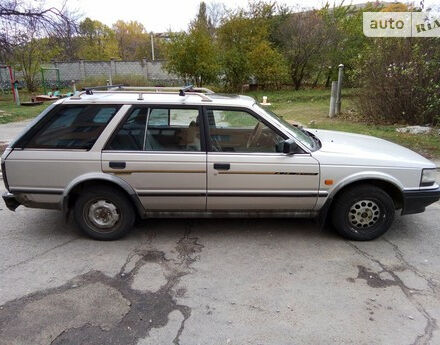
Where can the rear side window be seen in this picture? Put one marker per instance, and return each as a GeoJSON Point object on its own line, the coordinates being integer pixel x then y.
{"type": "Point", "coordinates": [73, 127]}
{"type": "Point", "coordinates": [158, 129]}
{"type": "Point", "coordinates": [131, 135]}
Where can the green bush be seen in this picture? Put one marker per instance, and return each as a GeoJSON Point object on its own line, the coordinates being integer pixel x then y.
{"type": "Point", "coordinates": [400, 81]}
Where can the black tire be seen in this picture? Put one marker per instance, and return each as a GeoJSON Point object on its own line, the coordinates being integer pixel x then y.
{"type": "Point", "coordinates": [363, 213]}
{"type": "Point", "coordinates": [110, 203]}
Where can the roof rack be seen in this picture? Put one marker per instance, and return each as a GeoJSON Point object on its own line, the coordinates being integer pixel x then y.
{"type": "Point", "coordinates": [142, 90]}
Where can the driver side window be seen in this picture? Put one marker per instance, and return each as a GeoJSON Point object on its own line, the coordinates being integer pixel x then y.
{"type": "Point", "coordinates": [240, 131]}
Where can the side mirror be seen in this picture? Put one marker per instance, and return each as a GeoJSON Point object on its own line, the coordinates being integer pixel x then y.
{"type": "Point", "coordinates": [290, 146]}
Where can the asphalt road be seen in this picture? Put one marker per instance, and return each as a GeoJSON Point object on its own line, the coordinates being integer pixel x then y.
{"type": "Point", "coordinates": [269, 281]}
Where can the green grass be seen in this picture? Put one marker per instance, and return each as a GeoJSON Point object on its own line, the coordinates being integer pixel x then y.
{"type": "Point", "coordinates": [10, 112]}
{"type": "Point", "coordinates": [310, 109]}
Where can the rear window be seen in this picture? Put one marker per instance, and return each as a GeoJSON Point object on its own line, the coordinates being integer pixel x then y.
{"type": "Point", "coordinates": [73, 127]}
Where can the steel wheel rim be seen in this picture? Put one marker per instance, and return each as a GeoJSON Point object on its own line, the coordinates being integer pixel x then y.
{"type": "Point", "coordinates": [364, 214]}
{"type": "Point", "coordinates": [102, 215]}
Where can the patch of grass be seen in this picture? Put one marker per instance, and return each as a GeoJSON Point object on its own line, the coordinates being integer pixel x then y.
{"type": "Point", "coordinates": [310, 109]}
{"type": "Point", "coordinates": [10, 112]}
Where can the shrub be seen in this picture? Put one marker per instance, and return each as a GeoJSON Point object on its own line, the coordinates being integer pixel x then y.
{"type": "Point", "coordinates": [400, 81]}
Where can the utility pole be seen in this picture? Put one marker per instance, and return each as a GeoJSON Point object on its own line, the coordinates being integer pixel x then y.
{"type": "Point", "coordinates": [152, 47]}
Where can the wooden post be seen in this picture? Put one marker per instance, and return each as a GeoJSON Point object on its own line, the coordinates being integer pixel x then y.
{"type": "Point", "coordinates": [338, 97]}
{"type": "Point", "coordinates": [17, 97]}
{"type": "Point", "coordinates": [333, 96]}
{"type": "Point", "coordinates": [11, 77]}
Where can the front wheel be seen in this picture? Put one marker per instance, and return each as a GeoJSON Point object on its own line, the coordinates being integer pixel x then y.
{"type": "Point", "coordinates": [363, 213]}
{"type": "Point", "coordinates": [104, 213]}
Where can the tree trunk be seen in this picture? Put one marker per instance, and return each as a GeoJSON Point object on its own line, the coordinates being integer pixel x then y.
{"type": "Point", "coordinates": [315, 83]}
{"type": "Point", "coordinates": [329, 75]}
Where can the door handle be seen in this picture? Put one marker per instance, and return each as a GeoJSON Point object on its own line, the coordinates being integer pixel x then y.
{"type": "Point", "coordinates": [117, 165]}
{"type": "Point", "coordinates": [222, 166]}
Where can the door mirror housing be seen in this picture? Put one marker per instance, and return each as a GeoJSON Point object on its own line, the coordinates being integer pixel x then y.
{"type": "Point", "coordinates": [290, 146]}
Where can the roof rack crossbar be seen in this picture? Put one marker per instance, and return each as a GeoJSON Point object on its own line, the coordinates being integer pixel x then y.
{"type": "Point", "coordinates": [140, 93]}
{"type": "Point", "coordinates": [168, 88]}
{"type": "Point", "coordinates": [141, 90]}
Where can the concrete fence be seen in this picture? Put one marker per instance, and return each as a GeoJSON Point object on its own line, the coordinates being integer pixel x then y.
{"type": "Point", "coordinates": [82, 69]}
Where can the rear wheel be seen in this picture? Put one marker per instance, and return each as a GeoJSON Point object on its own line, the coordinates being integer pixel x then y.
{"type": "Point", "coordinates": [363, 213]}
{"type": "Point", "coordinates": [104, 213]}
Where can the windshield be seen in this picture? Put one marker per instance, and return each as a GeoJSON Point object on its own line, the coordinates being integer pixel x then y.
{"type": "Point", "coordinates": [306, 138]}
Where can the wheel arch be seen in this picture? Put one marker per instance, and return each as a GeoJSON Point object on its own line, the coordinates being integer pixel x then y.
{"type": "Point", "coordinates": [387, 186]}
{"type": "Point", "coordinates": [93, 179]}
{"type": "Point", "coordinates": [387, 183]}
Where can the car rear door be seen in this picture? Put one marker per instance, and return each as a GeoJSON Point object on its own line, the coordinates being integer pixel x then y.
{"type": "Point", "coordinates": [160, 152]}
{"type": "Point", "coordinates": [245, 171]}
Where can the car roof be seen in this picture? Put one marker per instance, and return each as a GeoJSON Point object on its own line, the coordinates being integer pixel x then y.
{"type": "Point", "coordinates": [116, 97]}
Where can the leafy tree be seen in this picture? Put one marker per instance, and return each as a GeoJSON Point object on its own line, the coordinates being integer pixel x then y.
{"type": "Point", "coordinates": [193, 56]}
{"type": "Point", "coordinates": [203, 21]}
{"type": "Point", "coordinates": [395, 7]}
{"type": "Point", "coordinates": [133, 41]}
{"type": "Point", "coordinates": [98, 41]}
{"type": "Point", "coordinates": [28, 57]}
{"type": "Point", "coordinates": [267, 65]}
{"type": "Point", "coordinates": [237, 36]}
{"type": "Point", "coordinates": [345, 41]}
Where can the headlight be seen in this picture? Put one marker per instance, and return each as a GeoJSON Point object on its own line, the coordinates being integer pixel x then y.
{"type": "Point", "coordinates": [428, 177]}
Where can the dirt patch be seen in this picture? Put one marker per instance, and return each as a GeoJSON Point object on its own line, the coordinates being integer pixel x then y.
{"type": "Point", "coordinates": [373, 279]}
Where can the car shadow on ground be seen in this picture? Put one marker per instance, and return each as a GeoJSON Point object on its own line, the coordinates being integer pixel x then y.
{"type": "Point", "coordinates": [294, 227]}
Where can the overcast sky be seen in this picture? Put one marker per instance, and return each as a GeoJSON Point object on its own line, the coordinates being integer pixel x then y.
{"type": "Point", "coordinates": [162, 15]}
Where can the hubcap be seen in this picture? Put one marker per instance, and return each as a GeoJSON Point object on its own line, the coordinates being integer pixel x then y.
{"type": "Point", "coordinates": [364, 214]}
{"type": "Point", "coordinates": [103, 214]}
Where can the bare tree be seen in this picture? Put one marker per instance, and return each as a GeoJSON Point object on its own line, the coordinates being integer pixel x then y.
{"type": "Point", "coordinates": [25, 30]}
{"type": "Point", "coordinates": [216, 12]}
{"type": "Point", "coordinates": [16, 15]}
{"type": "Point", "coordinates": [302, 36]}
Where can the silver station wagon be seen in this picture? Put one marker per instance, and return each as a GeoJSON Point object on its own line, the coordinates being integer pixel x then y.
{"type": "Point", "coordinates": [111, 155]}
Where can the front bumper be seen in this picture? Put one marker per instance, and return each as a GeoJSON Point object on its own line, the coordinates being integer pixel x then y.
{"type": "Point", "coordinates": [11, 202]}
{"type": "Point", "coordinates": [416, 201]}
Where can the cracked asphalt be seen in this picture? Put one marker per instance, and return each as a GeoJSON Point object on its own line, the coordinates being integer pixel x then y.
{"type": "Point", "coordinates": [237, 281]}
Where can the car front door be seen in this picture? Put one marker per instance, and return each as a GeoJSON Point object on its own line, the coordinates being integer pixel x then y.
{"type": "Point", "coordinates": [159, 151]}
{"type": "Point", "coordinates": [246, 171]}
